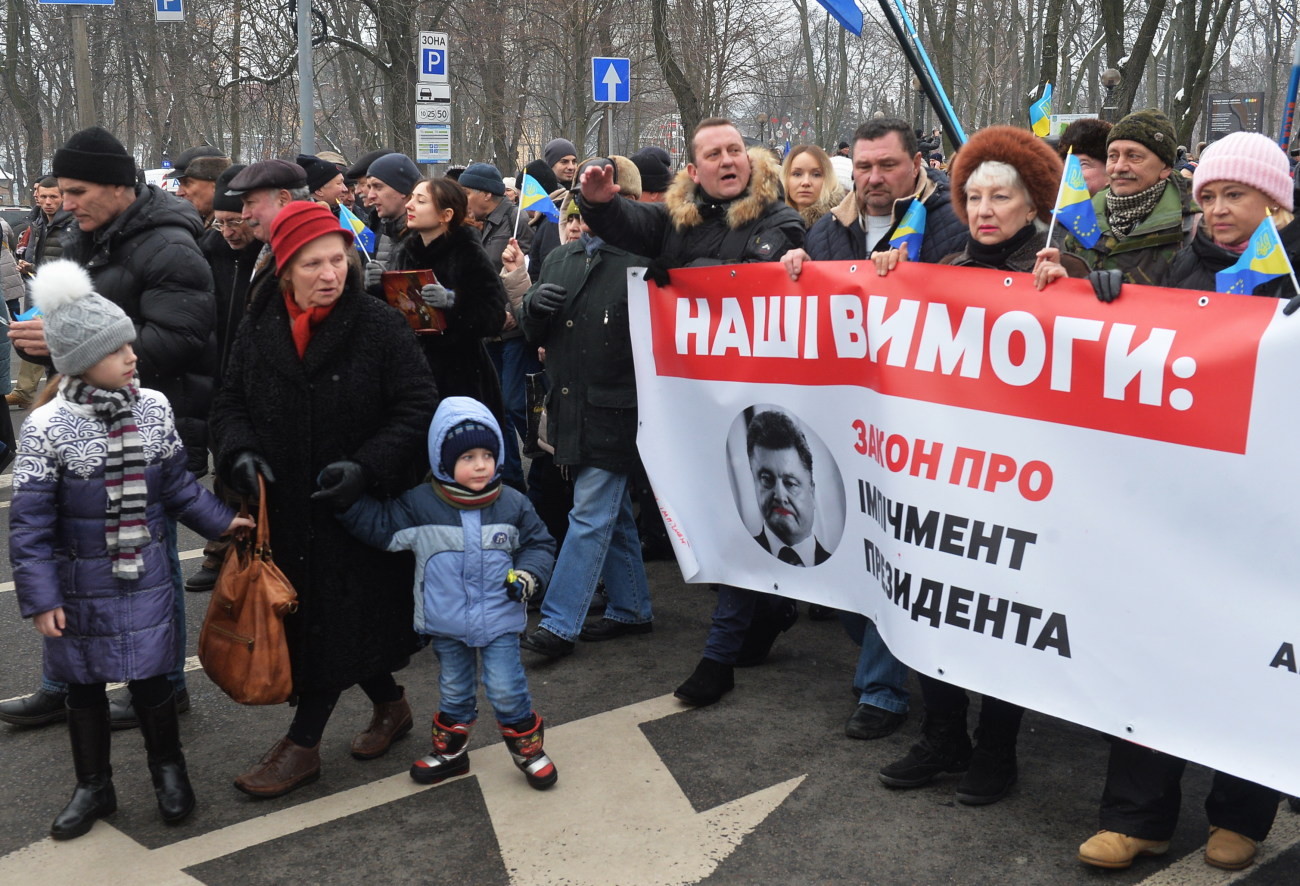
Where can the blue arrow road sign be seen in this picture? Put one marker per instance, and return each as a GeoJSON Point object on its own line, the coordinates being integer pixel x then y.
{"type": "Point", "coordinates": [611, 80]}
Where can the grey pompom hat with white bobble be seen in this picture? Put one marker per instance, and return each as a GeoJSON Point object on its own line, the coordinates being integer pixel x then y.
{"type": "Point", "coordinates": [81, 326]}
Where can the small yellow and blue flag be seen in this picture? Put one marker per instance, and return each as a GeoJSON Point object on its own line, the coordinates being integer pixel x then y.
{"type": "Point", "coordinates": [364, 237]}
{"type": "Point", "coordinates": [1040, 113]}
{"type": "Point", "coordinates": [1074, 204]}
{"type": "Point", "coordinates": [1264, 259]}
{"type": "Point", "coordinates": [911, 230]}
{"type": "Point", "coordinates": [534, 199]}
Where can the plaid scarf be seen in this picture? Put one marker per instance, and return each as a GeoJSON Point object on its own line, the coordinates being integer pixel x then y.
{"type": "Point", "coordinates": [127, 530]}
{"type": "Point", "coordinates": [1124, 213]}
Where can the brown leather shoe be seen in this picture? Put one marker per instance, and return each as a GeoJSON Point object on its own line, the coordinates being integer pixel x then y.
{"type": "Point", "coordinates": [15, 400]}
{"type": "Point", "coordinates": [1110, 849]}
{"type": "Point", "coordinates": [389, 722]}
{"type": "Point", "coordinates": [285, 767]}
{"type": "Point", "coordinates": [1229, 850]}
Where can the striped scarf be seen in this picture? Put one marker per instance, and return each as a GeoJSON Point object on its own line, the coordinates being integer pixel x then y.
{"type": "Point", "coordinates": [459, 497]}
{"type": "Point", "coordinates": [127, 530]}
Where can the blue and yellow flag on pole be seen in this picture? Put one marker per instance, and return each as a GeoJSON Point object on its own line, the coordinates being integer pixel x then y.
{"type": "Point", "coordinates": [1264, 259]}
{"type": "Point", "coordinates": [911, 230]}
{"type": "Point", "coordinates": [533, 199]}
{"type": "Point", "coordinates": [1040, 114]}
{"type": "Point", "coordinates": [1074, 204]}
{"type": "Point", "coordinates": [364, 237]}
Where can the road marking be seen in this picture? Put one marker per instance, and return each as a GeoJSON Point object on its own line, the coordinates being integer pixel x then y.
{"type": "Point", "coordinates": [8, 586]}
{"type": "Point", "coordinates": [634, 813]}
{"type": "Point", "coordinates": [191, 664]}
{"type": "Point", "coordinates": [1191, 870]}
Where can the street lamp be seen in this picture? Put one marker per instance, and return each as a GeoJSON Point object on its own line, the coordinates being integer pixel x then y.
{"type": "Point", "coordinates": [1110, 78]}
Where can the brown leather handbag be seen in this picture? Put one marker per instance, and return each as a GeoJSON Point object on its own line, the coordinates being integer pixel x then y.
{"type": "Point", "coordinates": [242, 645]}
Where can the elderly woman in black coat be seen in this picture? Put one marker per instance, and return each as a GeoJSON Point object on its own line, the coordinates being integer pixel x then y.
{"type": "Point", "coordinates": [469, 291]}
{"type": "Point", "coordinates": [327, 396]}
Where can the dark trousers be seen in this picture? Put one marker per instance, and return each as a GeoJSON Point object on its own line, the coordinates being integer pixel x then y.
{"type": "Point", "coordinates": [1144, 791]}
{"type": "Point", "coordinates": [735, 611]}
{"type": "Point", "coordinates": [998, 721]}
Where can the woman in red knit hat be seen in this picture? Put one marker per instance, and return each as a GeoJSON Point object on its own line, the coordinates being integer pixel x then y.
{"type": "Point", "coordinates": [327, 396]}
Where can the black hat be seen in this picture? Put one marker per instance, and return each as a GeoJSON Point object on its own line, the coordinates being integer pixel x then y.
{"type": "Point", "coordinates": [398, 171]}
{"type": "Point", "coordinates": [268, 174]}
{"type": "Point", "coordinates": [463, 437]}
{"type": "Point", "coordinates": [655, 175]}
{"type": "Point", "coordinates": [361, 167]}
{"type": "Point", "coordinates": [545, 176]}
{"type": "Point", "coordinates": [220, 198]}
{"type": "Point", "coordinates": [189, 155]}
{"type": "Point", "coordinates": [94, 155]}
{"type": "Point", "coordinates": [319, 172]}
{"type": "Point", "coordinates": [483, 177]}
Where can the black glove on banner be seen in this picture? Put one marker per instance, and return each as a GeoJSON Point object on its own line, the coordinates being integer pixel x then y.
{"type": "Point", "coordinates": [243, 473]}
{"type": "Point", "coordinates": [1106, 284]}
{"type": "Point", "coordinates": [546, 299]}
{"type": "Point", "coordinates": [656, 272]}
{"type": "Point", "coordinates": [341, 484]}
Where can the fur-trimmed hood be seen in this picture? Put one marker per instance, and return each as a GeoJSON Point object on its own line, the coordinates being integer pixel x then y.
{"type": "Point", "coordinates": [1038, 165]}
{"type": "Point", "coordinates": [683, 198]}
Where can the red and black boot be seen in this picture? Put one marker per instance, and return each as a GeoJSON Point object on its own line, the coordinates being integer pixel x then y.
{"type": "Point", "coordinates": [450, 755]}
{"type": "Point", "coordinates": [525, 742]}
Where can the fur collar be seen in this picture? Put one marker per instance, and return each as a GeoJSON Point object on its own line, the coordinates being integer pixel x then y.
{"type": "Point", "coordinates": [846, 213]}
{"type": "Point", "coordinates": [764, 190]}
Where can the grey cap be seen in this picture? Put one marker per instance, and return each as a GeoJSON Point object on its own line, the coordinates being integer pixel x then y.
{"type": "Point", "coordinates": [81, 326]}
{"type": "Point", "coordinates": [268, 174]}
{"type": "Point", "coordinates": [189, 155]}
{"type": "Point", "coordinates": [398, 171]}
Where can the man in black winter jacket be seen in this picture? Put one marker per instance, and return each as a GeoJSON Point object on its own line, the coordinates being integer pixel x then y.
{"type": "Point", "coordinates": [888, 174]}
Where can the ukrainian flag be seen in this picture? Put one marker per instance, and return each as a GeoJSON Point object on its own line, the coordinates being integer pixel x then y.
{"type": "Point", "coordinates": [533, 199]}
{"type": "Point", "coordinates": [365, 238]}
{"type": "Point", "coordinates": [1263, 260]}
{"type": "Point", "coordinates": [1074, 204]}
{"type": "Point", "coordinates": [911, 230]}
{"type": "Point", "coordinates": [1040, 113]}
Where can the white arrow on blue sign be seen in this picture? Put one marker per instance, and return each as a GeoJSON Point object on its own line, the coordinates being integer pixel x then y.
{"type": "Point", "coordinates": [611, 80]}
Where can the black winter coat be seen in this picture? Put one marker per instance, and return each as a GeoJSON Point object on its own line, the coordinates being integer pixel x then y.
{"type": "Point", "coordinates": [838, 235]}
{"type": "Point", "coordinates": [460, 362]}
{"type": "Point", "coordinates": [1195, 268]}
{"type": "Point", "coordinates": [147, 261]}
{"type": "Point", "coordinates": [232, 274]}
{"type": "Point", "coordinates": [361, 393]}
{"type": "Point", "coordinates": [45, 242]}
{"type": "Point", "coordinates": [690, 229]}
{"type": "Point", "coordinates": [591, 415]}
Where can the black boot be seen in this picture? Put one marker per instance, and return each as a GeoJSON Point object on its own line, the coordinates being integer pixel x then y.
{"type": "Point", "coordinates": [525, 742]}
{"type": "Point", "coordinates": [992, 769]}
{"type": "Point", "coordinates": [450, 755]}
{"type": "Point", "coordinates": [162, 744]}
{"type": "Point", "coordinates": [94, 796]}
{"type": "Point", "coordinates": [944, 747]}
{"type": "Point", "coordinates": [707, 683]}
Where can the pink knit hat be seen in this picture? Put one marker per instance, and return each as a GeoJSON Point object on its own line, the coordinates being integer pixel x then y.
{"type": "Point", "coordinates": [1251, 159]}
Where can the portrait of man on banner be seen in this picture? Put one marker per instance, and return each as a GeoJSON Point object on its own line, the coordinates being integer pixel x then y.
{"type": "Point", "coordinates": [775, 468]}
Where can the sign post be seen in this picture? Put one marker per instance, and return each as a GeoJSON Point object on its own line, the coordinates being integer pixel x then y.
{"type": "Point", "coordinates": [432, 100]}
{"type": "Point", "coordinates": [611, 83]}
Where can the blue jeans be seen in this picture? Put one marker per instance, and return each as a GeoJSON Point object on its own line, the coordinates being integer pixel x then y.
{"type": "Point", "coordinates": [881, 680]}
{"type": "Point", "coordinates": [514, 358]}
{"type": "Point", "coordinates": [602, 542]}
{"type": "Point", "coordinates": [503, 678]}
{"type": "Point", "coordinates": [177, 676]}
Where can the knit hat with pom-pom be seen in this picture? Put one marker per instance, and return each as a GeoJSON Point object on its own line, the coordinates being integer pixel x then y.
{"type": "Point", "coordinates": [81, 326]}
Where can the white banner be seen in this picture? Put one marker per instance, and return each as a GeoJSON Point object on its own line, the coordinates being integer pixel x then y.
{"type": "Point", "coordinates": [1082, 508]}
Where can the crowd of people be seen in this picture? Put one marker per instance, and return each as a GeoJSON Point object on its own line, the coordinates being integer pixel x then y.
{"type": "Point", "coordinates": [243, 324]}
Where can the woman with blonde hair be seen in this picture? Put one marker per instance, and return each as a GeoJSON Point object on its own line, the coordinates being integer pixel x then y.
{"type": "Point", "coordinates": [811, 186]}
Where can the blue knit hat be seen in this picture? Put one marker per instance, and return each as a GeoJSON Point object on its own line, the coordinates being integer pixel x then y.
{"type": "Point", "coordinates": [464, 436]}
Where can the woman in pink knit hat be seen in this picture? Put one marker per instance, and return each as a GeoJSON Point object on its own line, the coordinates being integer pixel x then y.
{"type": "Point", "coordinates": [1240, 180]}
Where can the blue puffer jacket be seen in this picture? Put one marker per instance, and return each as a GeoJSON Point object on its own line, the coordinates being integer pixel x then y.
{"type": "Point", "coordinates": [462, 555]}
{"type": "Point", "coordinates": [116, 630]}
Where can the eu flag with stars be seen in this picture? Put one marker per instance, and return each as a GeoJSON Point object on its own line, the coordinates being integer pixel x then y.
{"type": "Point", "coordinates": [1074, 205]}
{"type": "Point", "coordinates": [364, 237]}
{"type": "Point", "coordinates": [910, 231]}
{"type": "Point", "coordinates": [1264, 259]}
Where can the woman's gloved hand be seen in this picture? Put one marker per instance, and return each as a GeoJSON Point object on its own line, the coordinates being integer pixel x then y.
{"type": "Point", "coordinates": [341, 484]}
{"type": "Point", "coordinates": [435, 295]}
{"type": "Point", "coordinates": [243, 473]}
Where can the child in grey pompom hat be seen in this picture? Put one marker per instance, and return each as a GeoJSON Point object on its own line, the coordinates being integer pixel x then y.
{"type": "Point", "coordinates": [81, 326]}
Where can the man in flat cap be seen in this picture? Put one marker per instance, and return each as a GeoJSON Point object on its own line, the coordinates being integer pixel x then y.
{"type": "Point", "coordinates": [198, 182]}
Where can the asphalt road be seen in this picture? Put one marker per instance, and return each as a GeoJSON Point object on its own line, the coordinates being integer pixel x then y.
{"type": "Point", "coordinates": [761, 788]}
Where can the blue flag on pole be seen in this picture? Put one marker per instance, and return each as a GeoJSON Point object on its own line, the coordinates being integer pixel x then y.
{"type": "Point", "coordinates": [365, 238]}
{"type": "Point", "coordinates": [534, 199]}
{"type": "Point", "coordinates": [846, 12]}
{"type": "Point", "coordinates": [910, 231]}
{"type": "Point", "coordinates": [1074, 204]}
{"type": "Point", "coordinates": [1264, 259]}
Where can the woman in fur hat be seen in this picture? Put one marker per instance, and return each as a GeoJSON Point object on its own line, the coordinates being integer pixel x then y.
{"type": "Point", "coordinates": [811, 186]}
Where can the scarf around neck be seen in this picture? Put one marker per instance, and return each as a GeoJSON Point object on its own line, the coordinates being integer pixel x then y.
{"type": "Point", "coordinates": [1125, 213]}
{"type": "Point", "coordinates": [126, 527]}
{"type": "Point", "coordinates": [459, 497]}
{"type": "Point", "coordinates": [303, 323]}
{"type": "Point", "coordinates": [995, 255]}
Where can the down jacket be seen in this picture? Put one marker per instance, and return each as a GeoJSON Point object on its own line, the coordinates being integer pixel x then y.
{"type": "Point", "coordinates": [147, 261]}
{"type": "Point", "coordinates": [462, 555]}
{"type": "Point", "coordinates": [691, 229]}
{"type": "Point", "coordinates": [362, 392]}
{"type": "Point", "coordinates": [117, 630]}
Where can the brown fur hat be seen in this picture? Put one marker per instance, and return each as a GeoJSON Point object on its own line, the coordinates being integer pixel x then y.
{"type": "Point", "coordinates": [1038, 165]}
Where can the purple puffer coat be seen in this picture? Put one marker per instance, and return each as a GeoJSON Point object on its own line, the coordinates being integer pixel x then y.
{"type": "Point", "coordinates": [116, 630]}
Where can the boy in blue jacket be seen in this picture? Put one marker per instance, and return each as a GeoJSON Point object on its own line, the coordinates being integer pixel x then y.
{"type": "Point", "coordinates": [481, 552]}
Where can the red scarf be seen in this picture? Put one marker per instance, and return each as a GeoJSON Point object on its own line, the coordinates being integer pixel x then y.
{"type": "Point", "coordinates": [304, 323]}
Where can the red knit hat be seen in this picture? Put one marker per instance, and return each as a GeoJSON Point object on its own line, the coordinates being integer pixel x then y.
{"type": "Point", "coordinates": [298, 224]}
{"type": "Point", "coordinates": [1249, 159]}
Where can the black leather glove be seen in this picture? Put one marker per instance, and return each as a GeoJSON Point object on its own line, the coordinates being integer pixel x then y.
{"type": "Point", "coordinates": [1106, 284]}
{"type": "Point", "coordinates": [1291, 309]}
{"type": "Point", "coordinates": [341, 484]}
{"type": "Point", "coordinates": [546, 299]}
{"type": "Point", "coordinates": [656, 272]}
{"type": "Point", "coordinates": [243, 473]}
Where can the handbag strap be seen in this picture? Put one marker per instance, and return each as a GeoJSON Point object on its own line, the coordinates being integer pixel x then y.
{"type": "Point", "coordinates": [262, 546]}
